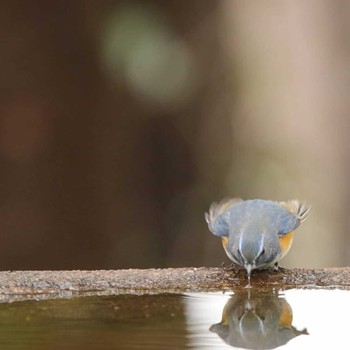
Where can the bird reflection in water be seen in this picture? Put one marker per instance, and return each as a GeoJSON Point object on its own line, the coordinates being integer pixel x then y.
{"type": "Point", "coordinates": [257, 320]}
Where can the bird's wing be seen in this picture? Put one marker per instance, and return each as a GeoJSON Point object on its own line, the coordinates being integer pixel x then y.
{"type": "Point", "coordinates": [298, 213]}
{"type": "Point", "coordinates": [218, 216]}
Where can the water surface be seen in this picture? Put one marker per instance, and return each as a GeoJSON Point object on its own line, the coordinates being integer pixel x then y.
{"type": "Point", "coordinates": [249, 319]}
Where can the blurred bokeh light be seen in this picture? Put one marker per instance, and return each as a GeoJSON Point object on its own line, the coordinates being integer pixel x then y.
{"type": "Point", "coordinates": [139, 46]}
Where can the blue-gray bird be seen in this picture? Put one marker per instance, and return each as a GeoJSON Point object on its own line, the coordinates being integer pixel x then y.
{"type": "Point", "coordinates": [256, 233]}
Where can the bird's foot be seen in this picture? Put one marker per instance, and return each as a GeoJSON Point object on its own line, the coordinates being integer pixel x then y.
{"type": "Point", "coordinates": [277, 267]}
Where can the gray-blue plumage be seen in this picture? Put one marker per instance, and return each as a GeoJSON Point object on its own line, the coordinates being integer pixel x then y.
{"type": "Point", "coordinates": [252, 230]}
{"type": "Point", "coordinates": [261, 212]}
{"type": "Point", "coordinates": [264, 214]}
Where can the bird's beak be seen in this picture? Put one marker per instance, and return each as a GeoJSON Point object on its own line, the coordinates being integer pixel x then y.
{"type": "Point", "coordinates": [248, 268]}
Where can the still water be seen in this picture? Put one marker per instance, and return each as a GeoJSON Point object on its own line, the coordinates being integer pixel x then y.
{"type": "Point", "coordinates": [254, 319]}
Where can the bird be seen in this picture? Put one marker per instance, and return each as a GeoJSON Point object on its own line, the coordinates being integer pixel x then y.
{"type": "Point", "coordinates": [260, 319]}
{"type": "Point", "coordinates": [256, 233]}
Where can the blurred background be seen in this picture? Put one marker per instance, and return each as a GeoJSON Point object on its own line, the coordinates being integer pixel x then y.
{"type": "Point", "coordinates": [121, 121]}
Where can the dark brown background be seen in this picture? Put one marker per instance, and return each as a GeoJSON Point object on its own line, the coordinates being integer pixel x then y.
{"type": "Point", "coordinates": [120, 121]}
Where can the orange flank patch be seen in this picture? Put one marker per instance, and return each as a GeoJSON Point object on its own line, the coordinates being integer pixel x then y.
{"type": "Point", "coordinates": [286, 317]}
{"type": "Point", "coordinates": [224, 241]}
{"type": "Point", "coordinates": [224, 319]}
{"type": "Point", "coordinates": [286, 242]}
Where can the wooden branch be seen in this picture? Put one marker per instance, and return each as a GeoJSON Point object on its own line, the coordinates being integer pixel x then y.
{"type": "Point", "coordinates": [27, 285]}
